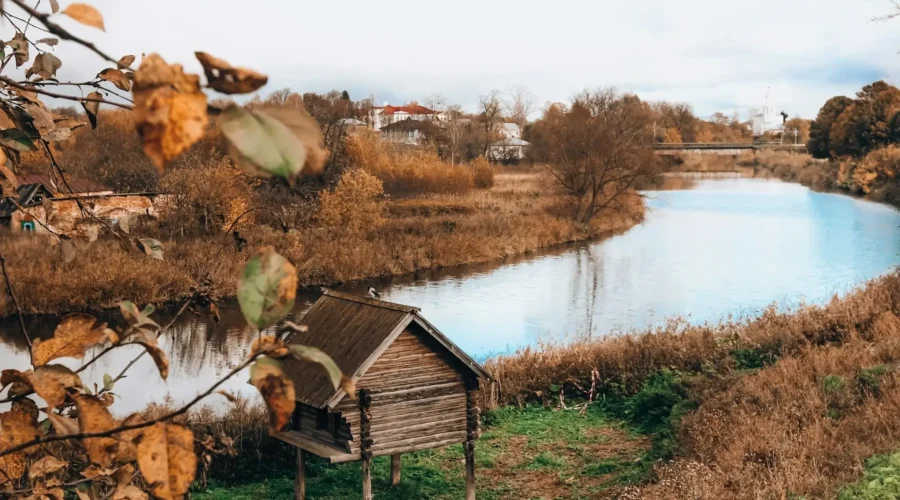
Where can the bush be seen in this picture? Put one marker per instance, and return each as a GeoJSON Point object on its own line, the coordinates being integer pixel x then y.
{"type": "Point", "coordinates": [484, 173]}
{"type": "Point", "coordinates": [204, 199]}
{"type": "Point", "coordinates": [408, 171]}
{"type": "Point", "coordinates": [877, 167]}
{"type": "Point", "coordinates": [355, 204]}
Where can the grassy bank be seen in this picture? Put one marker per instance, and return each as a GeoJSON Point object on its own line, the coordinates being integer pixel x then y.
{"type": "Point", "coordinates": [524, 453]}
{"type": "Point", "coordinates": [790, 405]}
{"type": "Point", "coordinates": [515, 216]}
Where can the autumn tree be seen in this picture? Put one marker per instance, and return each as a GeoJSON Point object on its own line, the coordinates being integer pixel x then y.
{"type": "Point", "coordinates": [596, 149]}
{"type": "Point", "coordinates": [72, 441]}
{"type": "Point", "coordinates": [819, 143]}
{"type": "Point", "coordinates": [864, 124]}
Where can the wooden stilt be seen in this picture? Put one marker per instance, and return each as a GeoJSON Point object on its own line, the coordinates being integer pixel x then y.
{"type": "Point", "coordinates": [367, 478]}
{"type": "Point", "coordinates": [469, 448]}
{"type": "Point", "coordinates": [300, 481]}
{"type": "Point", "coordinates": [395, 469]}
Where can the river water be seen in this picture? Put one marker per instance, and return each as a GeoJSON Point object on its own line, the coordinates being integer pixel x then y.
{"type": "Point", "coordinates": [723, 249]}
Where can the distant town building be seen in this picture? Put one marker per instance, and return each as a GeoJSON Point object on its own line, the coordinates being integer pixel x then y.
{"type": "Point", "coordinates": [409, 131]}
{"type": "Point", "coordinates": [509, 130]}
{"type": "Point", "coordinates": [387, 114]}
{"type": "Point", "coordinates": [508, 150]}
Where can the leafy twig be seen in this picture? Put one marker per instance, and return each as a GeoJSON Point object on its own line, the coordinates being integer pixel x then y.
{"type": "Point", "coordinates": [60, 31]}
{"type": "Point", "coordinates": [85, 435]}
{"type": "Point", "coordinates": [31, 88]}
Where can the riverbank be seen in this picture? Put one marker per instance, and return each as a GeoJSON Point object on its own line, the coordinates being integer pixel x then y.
{"type": "Point", "coordinates": [791, 404]}
{"type": "Point", "coordinates": [517, 215]}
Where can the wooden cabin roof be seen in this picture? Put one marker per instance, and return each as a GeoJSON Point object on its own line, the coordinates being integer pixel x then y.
{"type": "Point", "coordinates": [355, 331]}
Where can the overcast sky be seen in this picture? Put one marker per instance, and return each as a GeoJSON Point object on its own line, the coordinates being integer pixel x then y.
{"type": "Point", "coordinates": [718, 55]}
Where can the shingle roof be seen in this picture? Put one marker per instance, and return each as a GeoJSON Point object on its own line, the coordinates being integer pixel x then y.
{"type": "Point", "coordinates": [355, 331]}
{"type": "Point", "coordinates": [413, 110]}
{"type": "Point", "coordinates": [410, 124]}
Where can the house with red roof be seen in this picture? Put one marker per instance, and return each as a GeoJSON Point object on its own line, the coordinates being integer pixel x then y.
{"type": "Point", "coordinates": [385, 115]}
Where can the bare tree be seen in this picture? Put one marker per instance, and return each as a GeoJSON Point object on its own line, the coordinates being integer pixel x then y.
{"type": "Point", "coordinates": [437, 103]}
{"type": "Point", "coordinates": [455, 127]}
{"type": "Point", "coordinates": [597, 149]}
{"type": "Point", "coordinates": [519, 105]}
{"type": "Point", "coordinates": [490, 112]}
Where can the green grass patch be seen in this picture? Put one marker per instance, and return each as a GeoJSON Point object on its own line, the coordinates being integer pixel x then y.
{"type": "Point", "coordinates": [881, 480]}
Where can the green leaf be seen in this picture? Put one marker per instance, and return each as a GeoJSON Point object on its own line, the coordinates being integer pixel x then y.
{"type": "Point", "coordinates": [136, 317]}
{"type": "Point", "coordinates": [267, 288]}
{"type": "Point", "coordinates": [108, 382]}
{"type": "Point", "coordinates": [151, 247]}
{"type": "Point", "coordinates": [17, 139]}
{"type": "Point", "coordinates": [313, 355]}
{"type": "Point", "coordinates": [266, 146]}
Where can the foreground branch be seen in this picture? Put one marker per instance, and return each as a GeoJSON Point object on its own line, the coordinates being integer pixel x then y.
{"type": "Point", "coordinates": [86, 435]}
{"type": "Point", "coordinates": [82, 100]}
{"type": "Point", "coordinates": [60, 31]}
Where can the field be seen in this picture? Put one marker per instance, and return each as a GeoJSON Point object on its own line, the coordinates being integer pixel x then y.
{"type": "Point", "coordinates": [517, 215]}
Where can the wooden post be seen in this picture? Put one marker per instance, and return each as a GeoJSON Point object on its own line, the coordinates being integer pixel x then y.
{"type": "Point", "coordinates": [473, 431]}
{"type": "Point", "coordinates": [365, 442]}
{"type": "Point", "coordinates": [469, 449]}
{"type": "Point", "coordinates": [395, 469]}
{"type": "Point", "coordinates": [300, 483]}
{"type": "Point", "coordinates": [366, 478]}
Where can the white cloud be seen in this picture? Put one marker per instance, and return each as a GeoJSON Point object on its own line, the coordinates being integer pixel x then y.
{"type": "Point", "coordinates": [715, 54]}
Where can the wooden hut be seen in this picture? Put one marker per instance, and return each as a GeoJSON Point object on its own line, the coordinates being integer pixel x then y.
{"type": "Point", "coordinates": [415, 388]}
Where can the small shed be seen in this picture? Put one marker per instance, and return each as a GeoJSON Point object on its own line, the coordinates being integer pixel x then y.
{"type": "Point", "coordinates": [415, 388]}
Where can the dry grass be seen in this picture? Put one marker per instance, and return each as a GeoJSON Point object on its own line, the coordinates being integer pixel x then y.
{"type": "Point", "coordinates": [801, 426]}
{"type": "Point", "coordinates": [429, 231]}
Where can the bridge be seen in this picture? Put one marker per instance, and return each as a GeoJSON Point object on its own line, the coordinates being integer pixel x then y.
{"type": "Point", "coordinates": [722, 148]}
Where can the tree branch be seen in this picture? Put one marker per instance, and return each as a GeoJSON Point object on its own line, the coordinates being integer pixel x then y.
{"type": "Point", "coordinates": [60, 31]}
{"type": "Point", "coordinates": [131, 427]}
{"type": "Point", "coordinates": [82, 100]}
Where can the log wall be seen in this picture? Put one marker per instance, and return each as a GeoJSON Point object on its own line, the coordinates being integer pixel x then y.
{"type": "Point", "coordinates": [418, 399]}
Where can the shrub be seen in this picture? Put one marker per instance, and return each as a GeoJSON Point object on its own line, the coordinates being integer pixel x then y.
{"type": "Point", "coordinates": [204, 199]}
{"type": "Point", "coordinates": [484, 173]}
{"type": "Point", "coordinates": [878, 166]}
{"type": "Point", "coordinates": [651, 408]}
{"type": "Point", "coordinates": [408, 171]}
{"type": "Point", "coordinates": [355, 204]}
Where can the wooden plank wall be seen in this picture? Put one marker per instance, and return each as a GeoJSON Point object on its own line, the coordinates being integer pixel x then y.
{"type": "Point", "coordinates": [418, 399]}
{"type": "Point", "coordinates": [305, 416]}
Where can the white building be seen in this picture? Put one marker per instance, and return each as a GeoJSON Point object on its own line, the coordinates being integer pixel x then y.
{"type": "Point", "coordinates": [511, 149]}
{"type": "Point", "coordinates": [765, 121]}
{"type": "Point", "coordinates": [387, 114]}
{"type": "Point", "coordinates": [509, 130]}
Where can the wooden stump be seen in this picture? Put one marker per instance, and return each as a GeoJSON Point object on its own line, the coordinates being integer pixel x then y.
{"type": "Point", "coordinates": [300, 481]}
{"type": "Point", "coordinates": [469, 449]}
{"type": "Point", "coordinates": [395, 469]}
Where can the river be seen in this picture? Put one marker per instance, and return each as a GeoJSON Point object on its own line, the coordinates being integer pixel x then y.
{"type": "Point", "coordinates": [723, 249]}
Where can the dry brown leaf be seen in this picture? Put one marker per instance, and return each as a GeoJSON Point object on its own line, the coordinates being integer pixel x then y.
{"type": "Point", "coordinates": [8, 182]}
{"type": "Point", "coordinates": [91, 108]}
{"type": "Point", "coordinates": [94, 472]}
{"type": "Point", "coordinates": [127, 450]}
{"type": "Point", "coordinates": [167, 460]}
{"type": "Point", "coordinates": [46, 465]}
{"type": "Point", "coordinates": [94, 417]}
{"type": "Point", "coordinates": [54, 6]}
{"type": "Point", "coordinates": [49, 41]}
{"type": "Point", "coordinates": [277, 390]}
{"type": "Point", "coordinates": [226, 79]}
{"type": "Point", "coordinates": [12, 465]}
{"type": "Point", "coordinates": [50, 382]}
{"type": "Point", "coordinates": [85, 14]}
{"type": "Point", "coordinates": [28, 406]}
{"type": "Point", "coordinates": [229, 396]}
{"type": "Point", "coordinates": [158, 355]}
{"type": "Point", "coordinates": [45, 66]}
{"type": "Point", "coordinates": [20, 45]}
{"type": "Point", "coordinates": [270, 346]}
{"type": "Point", "coordinates": [64, 426]}
{"type": "Point", "coordinates": [18, 426]}
{"type": "Point", "coordinates": [125, 62]}
{"type": "Point", "coordinates": [115, 77]}
{"type": "Point", "coordinates": [169, 109]}
{"type": "Point", "coordinates": [75, 334]}
{"type": "Point", "coordinates": [129, 492]}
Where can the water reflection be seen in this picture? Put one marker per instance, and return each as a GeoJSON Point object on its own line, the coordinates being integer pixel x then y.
{"type": "Point", "coordinates": [725, 247]}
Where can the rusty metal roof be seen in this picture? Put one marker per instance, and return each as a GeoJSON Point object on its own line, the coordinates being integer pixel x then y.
{"type": "Point", "coordinates": [355, 331]}
{"type": "Point", "coordinates": [57, 187]}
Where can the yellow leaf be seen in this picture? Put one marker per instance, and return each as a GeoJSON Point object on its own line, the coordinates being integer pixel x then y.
{"type": "Point", "coordinates": [125, 62]}
{"type": "Point", "coordinates": [17, 427]}
{"type": "Point", "coordinates": [167, 460]}
{"type": "Point", "coordinates": [64, 426]}
{"type": "Point", "coordinates": [277, 390]}
{"type": "Point", "coordinates": [94, 417]}
{"type": "Point", "coordinates": [115, 77]}
{"type": "Point", "coordinates": [158, 355]}
{"type": "Point", "coordinates": [75, 334]}
{"type": "Point", "coordinates": [50, 382]}
{"type": "Point", "coordinates": [12, 465]}
{"type": "Point", "coordinates": [226, 79]}
{"type": "Point", "coordinates": [46, 465]}
{"type": "Point", "coordinates": [85, 14]}
{"type": "Point", "coordinates": [169, 109]}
